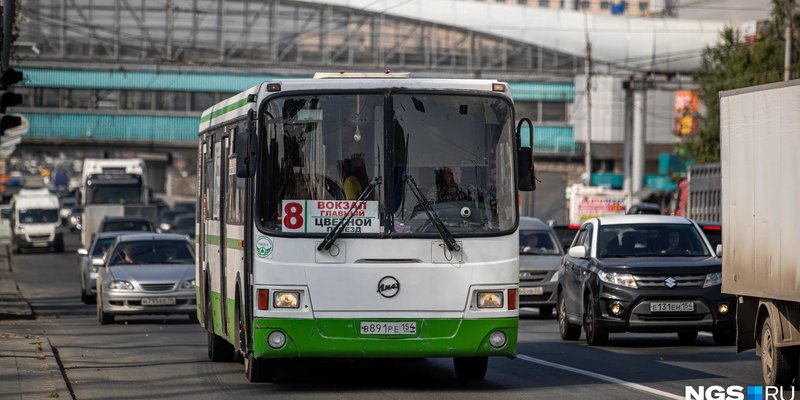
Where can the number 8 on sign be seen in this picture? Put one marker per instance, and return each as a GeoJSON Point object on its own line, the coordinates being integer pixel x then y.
{"type": "Point", "coordinates": [293, 216]}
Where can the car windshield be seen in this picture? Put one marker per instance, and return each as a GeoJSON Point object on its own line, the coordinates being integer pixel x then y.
{"type": "Point", "coordinates": [533, 242]}
{"type": "Point", "coordinates": [126, 226]}
{"type": "Point", "coordinates": [650, 240]}
{"type": "Point", "coordinates": [566, 234]}
{"type": "Point", "coordinates": [184, 222]}
{"type": "Point", "coordinates": [157, 251]}
{"type": "Point", "coordinates": [101, 246]}
{"type": "Point", "coordinates": [713, 234]}
{"type": "Point", "coordinates": [38, 216]}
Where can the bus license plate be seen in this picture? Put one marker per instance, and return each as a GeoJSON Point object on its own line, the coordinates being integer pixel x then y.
{"type": "Point", "coordinates": [531, 291]}
{"type": "Point", "coordinates": [158, 301]}
{"type": "Point", "coordinates": [683, 306]}
{"type": "Point", "coordinates": [388, 328]}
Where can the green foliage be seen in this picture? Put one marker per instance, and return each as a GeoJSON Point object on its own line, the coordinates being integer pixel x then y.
{"type": "Point", "coordinates": [732, 64]}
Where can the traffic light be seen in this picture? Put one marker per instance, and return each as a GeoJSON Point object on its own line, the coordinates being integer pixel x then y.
{"type": "Point", "coordinates": [9, 99]}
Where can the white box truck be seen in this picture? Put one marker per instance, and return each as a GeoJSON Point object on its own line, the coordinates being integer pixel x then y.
{"type": "Point", "coordinates": [112, 187]}
{"type": "Point", "coordinates": [760, 160]}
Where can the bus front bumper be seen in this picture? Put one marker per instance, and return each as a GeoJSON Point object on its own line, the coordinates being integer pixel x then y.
{"type": "Point", "coordinates": [342, 338]}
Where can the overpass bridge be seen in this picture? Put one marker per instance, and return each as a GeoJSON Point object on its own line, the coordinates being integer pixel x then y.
{"type": "Point", "coordinates": [137, 73]}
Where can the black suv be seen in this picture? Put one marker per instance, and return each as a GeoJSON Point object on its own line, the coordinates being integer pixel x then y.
{"type": "Point", "coordinates": [642, 273]}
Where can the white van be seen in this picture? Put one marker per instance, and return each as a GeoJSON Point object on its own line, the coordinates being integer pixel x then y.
{"type": "Point", "coordinates": [35, 221]}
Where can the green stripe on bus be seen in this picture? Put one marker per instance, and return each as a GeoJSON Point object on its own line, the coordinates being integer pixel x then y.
{"type": "Point", "coordinates": [224, 110]}
{"type": "Point", "coordinates": [231, 243]}
{"type": "Point", "coordinates": [341, 338]}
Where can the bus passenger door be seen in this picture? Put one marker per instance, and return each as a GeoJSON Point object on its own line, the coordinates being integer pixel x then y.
{"type": "Point", "coordinates": [201, 269]}
{"type": "Point", "coordinates": [220, 177]}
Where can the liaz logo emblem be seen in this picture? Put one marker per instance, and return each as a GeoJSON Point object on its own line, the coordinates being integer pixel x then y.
{"type": "Point", "coordinates": [388, 287]}
{"type": "Point", "coordinates": [670, 282]}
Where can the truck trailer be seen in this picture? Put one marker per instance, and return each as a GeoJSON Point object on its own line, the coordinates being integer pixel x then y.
{"type": "Point", "coordinates": [759, 149]}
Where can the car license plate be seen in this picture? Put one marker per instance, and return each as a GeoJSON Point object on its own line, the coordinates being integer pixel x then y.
{"type": "Point", "coordinates": [40, 244]}
{"type": "Point", "coordinates": [531, 291]}
{"type": "Point", "coordinates": [388, 328]}
{"type": "Point", "coordinates": [682, 306]}
{"type": "Point", "coordinates": [158, 301]}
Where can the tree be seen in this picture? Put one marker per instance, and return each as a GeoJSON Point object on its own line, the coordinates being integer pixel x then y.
{"type": "Point", "coordinates": [733, 64]}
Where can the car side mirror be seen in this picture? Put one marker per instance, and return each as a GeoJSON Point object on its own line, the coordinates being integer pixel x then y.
{"type": "Point", "coordinates": [525, 177]}
{"type": "Point", "coordinates": [5, 213]}
{"type": "Point", "coordinates": [98, 262]}
{"type": "Point", "coordinates": [719, 250]}
{"type": "Point", "coordinates": [245, 145]}
{"type": "Point", "coordinates": [83, 252]}
{"type": "Point", "coordinates": [577, 252]}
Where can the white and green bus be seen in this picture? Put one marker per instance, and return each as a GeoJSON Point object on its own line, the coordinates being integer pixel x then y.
{"type": "Point", "coordinates": [360, 216]}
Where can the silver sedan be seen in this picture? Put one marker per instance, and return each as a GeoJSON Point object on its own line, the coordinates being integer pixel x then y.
{"type": "Point", "coordinates": [147, 273]}
{"type": "Point", "coordinates": [90, 261]}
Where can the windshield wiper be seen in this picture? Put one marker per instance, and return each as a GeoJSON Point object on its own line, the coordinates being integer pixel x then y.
{"type": "Point", "coordinates": [447, 237]}
{"type": "Point", "coordinates": [337, 230]}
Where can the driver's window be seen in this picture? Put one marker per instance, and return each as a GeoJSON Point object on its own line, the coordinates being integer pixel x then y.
{"type": "Point", "coordinates": [579, 238]}
{"type": "Point", "coordinates": [587, 240]}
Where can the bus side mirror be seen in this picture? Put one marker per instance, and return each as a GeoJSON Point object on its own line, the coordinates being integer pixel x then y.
{"type": "Point", "coordinates": [525, 177]}
{"type": "Point", "coordinates": [245, 145]}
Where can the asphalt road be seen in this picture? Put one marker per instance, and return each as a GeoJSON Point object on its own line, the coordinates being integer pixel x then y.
{"type": "Point", "coordinates": [165, 357]}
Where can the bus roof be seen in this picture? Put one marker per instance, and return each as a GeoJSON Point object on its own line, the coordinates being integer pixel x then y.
{"type": "Point", "coordinates": [239, 104]}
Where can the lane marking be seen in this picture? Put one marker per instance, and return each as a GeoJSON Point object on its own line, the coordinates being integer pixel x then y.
{"type": "Point", "coordinates": [631, 385]}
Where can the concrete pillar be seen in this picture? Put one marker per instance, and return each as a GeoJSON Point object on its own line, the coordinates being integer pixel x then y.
{"type": "Point", "coordinates": [637, 162]}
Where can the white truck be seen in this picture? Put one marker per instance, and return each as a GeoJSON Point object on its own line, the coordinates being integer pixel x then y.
{"type": "Point", "coordinates": [760, 159]}
{"type": "Point", "coordinates": [586, 202]}
{"type": "Point", "coordinates": [112, 187]}
{"type": "Point", "coordinates": [35, 222]}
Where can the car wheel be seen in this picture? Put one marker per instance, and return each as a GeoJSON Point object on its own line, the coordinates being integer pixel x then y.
{"type": "Point", "coordinates": [595, 335]}
{"type": "Point", "coordinates": [86, 299]}
{"type": "Point", "coordinates": [776, 362]}
{"type": "Point", "coordinates": [724, 338]}
{"type": "Point", "coordinates": [218, 348]}
{"type": "Point", "coordinates": [103, 317]}
{"type": "Point", "coordinates": [545, 312]}
{"type": "Point", "coordinates": [568, 330]}
{"type": "Point", "coordinates": [259, 370]}
{"type": "Point", "coordinates": [471, 368]}
{"type": "Point", "coordinates": [687, 337]}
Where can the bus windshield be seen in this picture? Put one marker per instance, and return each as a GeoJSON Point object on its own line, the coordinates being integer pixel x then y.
{"type": "Point", "coordinates": [321, 151]}
{"type": "Point", "coordinates": [114, 194]}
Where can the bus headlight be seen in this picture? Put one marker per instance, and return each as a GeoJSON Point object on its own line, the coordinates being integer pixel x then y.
{"type": "Point", "coordinates": [286, 299]}
{"type": "Point", "coordinates": [490, 299]}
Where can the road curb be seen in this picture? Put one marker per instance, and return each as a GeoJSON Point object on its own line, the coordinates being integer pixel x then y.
{"type": "Point", "coordinates": [32, 368]}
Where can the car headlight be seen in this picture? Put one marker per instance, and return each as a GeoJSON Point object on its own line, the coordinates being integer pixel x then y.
{"type": "Point", "coordinates": [616, 278]}
{"type": "Point", "coordinates": [554, 278]}
{"type": "Point", "coordinates": [490, 299]}
{"type": "Point", "coordinates": [120, 285]}
{"type": "Point", "coordinates": [164, 226]}
{"type": "Point", "coordinates": [713, 279]}
{"type": "Point", "coordinates": [188, 284]}
{"type": "Point", "coordinates": [286, 299]}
